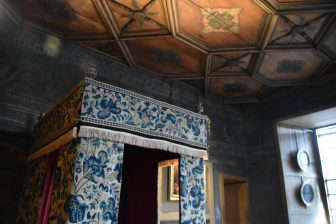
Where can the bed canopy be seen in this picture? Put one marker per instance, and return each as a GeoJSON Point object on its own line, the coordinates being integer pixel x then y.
{"type": "Point", "coordinates": [75, 174]}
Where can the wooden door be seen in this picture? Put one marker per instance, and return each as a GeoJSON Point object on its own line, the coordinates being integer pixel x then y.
{"type": "Point", "coordinates": [234, 200]}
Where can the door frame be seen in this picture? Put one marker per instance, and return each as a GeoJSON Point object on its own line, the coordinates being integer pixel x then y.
{"type": "Point", "coordinates": [221, 183]}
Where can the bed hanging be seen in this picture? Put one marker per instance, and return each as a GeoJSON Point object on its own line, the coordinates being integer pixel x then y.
{"type": "Point", "coordinates": [74, 174]}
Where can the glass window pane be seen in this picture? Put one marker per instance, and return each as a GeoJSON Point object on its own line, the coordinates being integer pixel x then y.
{"type": "Point", "coordinates": [329, 153]}
{"type": "Point", "coordinates": [332, 201]}
{"type": "Point", "coordinates": [329, 170]}
{"type": "Point", "coordinates": [331, 186]}
{"type": "Point", "coordinates": [333, 215]}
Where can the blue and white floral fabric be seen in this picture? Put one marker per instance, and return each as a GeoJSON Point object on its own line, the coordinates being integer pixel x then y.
{"type": "Point", "coordinates": [111, 106]}
{"type": "Point", "coordinates": [192, 198]}
{"type": "Point", "coordinates": [97, 182]}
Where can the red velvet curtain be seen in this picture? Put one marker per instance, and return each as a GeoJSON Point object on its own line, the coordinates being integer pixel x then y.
{"type": "Point", "coordinates": [48, 188]}
{"type": "Point", "coordinates": [138, 200]}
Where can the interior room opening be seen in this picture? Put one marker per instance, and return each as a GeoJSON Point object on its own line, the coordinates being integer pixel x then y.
{"type": "Point", "coordinates": [139, 189]}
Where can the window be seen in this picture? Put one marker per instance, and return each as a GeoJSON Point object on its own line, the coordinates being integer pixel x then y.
{"type": "Point", "coordinates": [327, 145]}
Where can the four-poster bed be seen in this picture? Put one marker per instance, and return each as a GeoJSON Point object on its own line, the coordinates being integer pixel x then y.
{"type": "Point", "coordinates": [88, 151]}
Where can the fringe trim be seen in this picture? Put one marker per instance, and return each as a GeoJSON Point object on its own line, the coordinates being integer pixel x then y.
{"type": "Point", "coordinates": [123, 137]}
{"type": "Point", "coordinates": [54, 145]}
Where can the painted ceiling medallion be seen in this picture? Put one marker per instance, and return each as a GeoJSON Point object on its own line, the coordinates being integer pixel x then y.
{"type": "Point", "coordinates": [166, 56]}
{"type": "Point", "coordinates": [290, 66]}
{"type": "Point", "coordinates": [138, 14]}
{"type": "Point", "coordinates": [220, 20]}
{"type": "Point", "coordinates": [233, 62]}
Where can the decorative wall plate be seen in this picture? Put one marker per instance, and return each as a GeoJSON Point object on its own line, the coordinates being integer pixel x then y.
{"type": "Point", "coordinates": [307, 193]}
{"type": "Point", "coordinates": [303, 159]}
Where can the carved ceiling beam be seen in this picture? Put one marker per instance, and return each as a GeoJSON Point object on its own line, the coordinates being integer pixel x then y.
{"type": "Point", "coordinates": [227, 75]}
{"type": "Point", "coordinates": [191, 41]}
{"type": "Point", "coordinates": [290, 47]}
{"type": "Point", "coordinates": [201, 77]}
{"type": "Point", "coordinates": [170, 16]}
{"type": "Point", "coordinates": [147, 35]}
{"type": "Point", "coordinates": [207, 69]}
{"type": "Point", "coordinates": [174, 18]}
{"type": "Point", "coordinates": [313, 6]}
{"type": "Point", "coordinates": [106, 16]}
{"type": "Point", "coordinates": [234, 50]}
{"type": "Point", "coordinates": [183, 77]}
{"type": "Point", "coordinates": [324, 50]}
{"type": "Point", "coordinates": [268, 30]}
{"type": "Point", "coordinates": [105, 13]}
{"type": "Point", "coordinates": [268, 6]}
{"type": "Point", "coordinates": [329, 25]}
{"type": "Point", "coordinates": [88, 38]}
{"type": "Point", "coordinates": [327, 9]}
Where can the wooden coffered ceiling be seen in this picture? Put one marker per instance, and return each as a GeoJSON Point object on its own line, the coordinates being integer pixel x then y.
{"type": "Point", "coordinates": [233, 49]}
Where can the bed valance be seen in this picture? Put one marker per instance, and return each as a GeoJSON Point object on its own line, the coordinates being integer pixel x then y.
{"type": "Point", "coordinates": [97, 109]}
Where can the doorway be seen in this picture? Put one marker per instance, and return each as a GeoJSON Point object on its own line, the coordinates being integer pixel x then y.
{"type": "Point", "coordinates": [139, 184]}
{"type": "Point", "coordinates": [234, 199]}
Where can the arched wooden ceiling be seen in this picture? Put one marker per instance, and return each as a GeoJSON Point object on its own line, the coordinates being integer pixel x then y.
{"type": "Point", "coordinates": [234, 49]}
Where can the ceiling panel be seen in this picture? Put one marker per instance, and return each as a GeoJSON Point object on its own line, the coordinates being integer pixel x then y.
{"type": "Point", "coordinates": [236, 88]}
{"type": "Point", "coordinates": [166, 55]}
{"type": "Point", "coordinates": [298, 28]}
{"type": "Point", "coordinates": [329, 42]}
{"type": "Point", "coordinates": [215, 23]}
{"type": "Point", "coordinates": [288, 67]}
{"type": "Point", "coordinates": [231, 63]}
{"type": "Point", "coordinates": [71, 17]}
{"type": "Point", "coordinates": [139, 17]}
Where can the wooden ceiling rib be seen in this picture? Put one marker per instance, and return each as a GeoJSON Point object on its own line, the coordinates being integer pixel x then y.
{"type": "Point", "coordinates": [233, 49]}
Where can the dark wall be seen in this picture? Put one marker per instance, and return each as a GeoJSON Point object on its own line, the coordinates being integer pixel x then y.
{"type": "Point", "coordinates": [262, 152]}
{"type": "Point", "coordinates": [13, 149]}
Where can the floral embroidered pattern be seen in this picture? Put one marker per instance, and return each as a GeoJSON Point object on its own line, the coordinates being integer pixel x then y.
{"type": "Point", "coordinates": [90, 183]}
{"type": "Point", "coordinates": [33, 191]}
{"type": "Point", "coordinates": [192, 197]}
{"type": "Point", "coordinates": [63, 183]}
{"type": "Point", "coordinates": [60, 119]}
{"type": "Point", "coordinates": [220, 20]}
{"type": "Point", "coordinates": [115, 107]}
